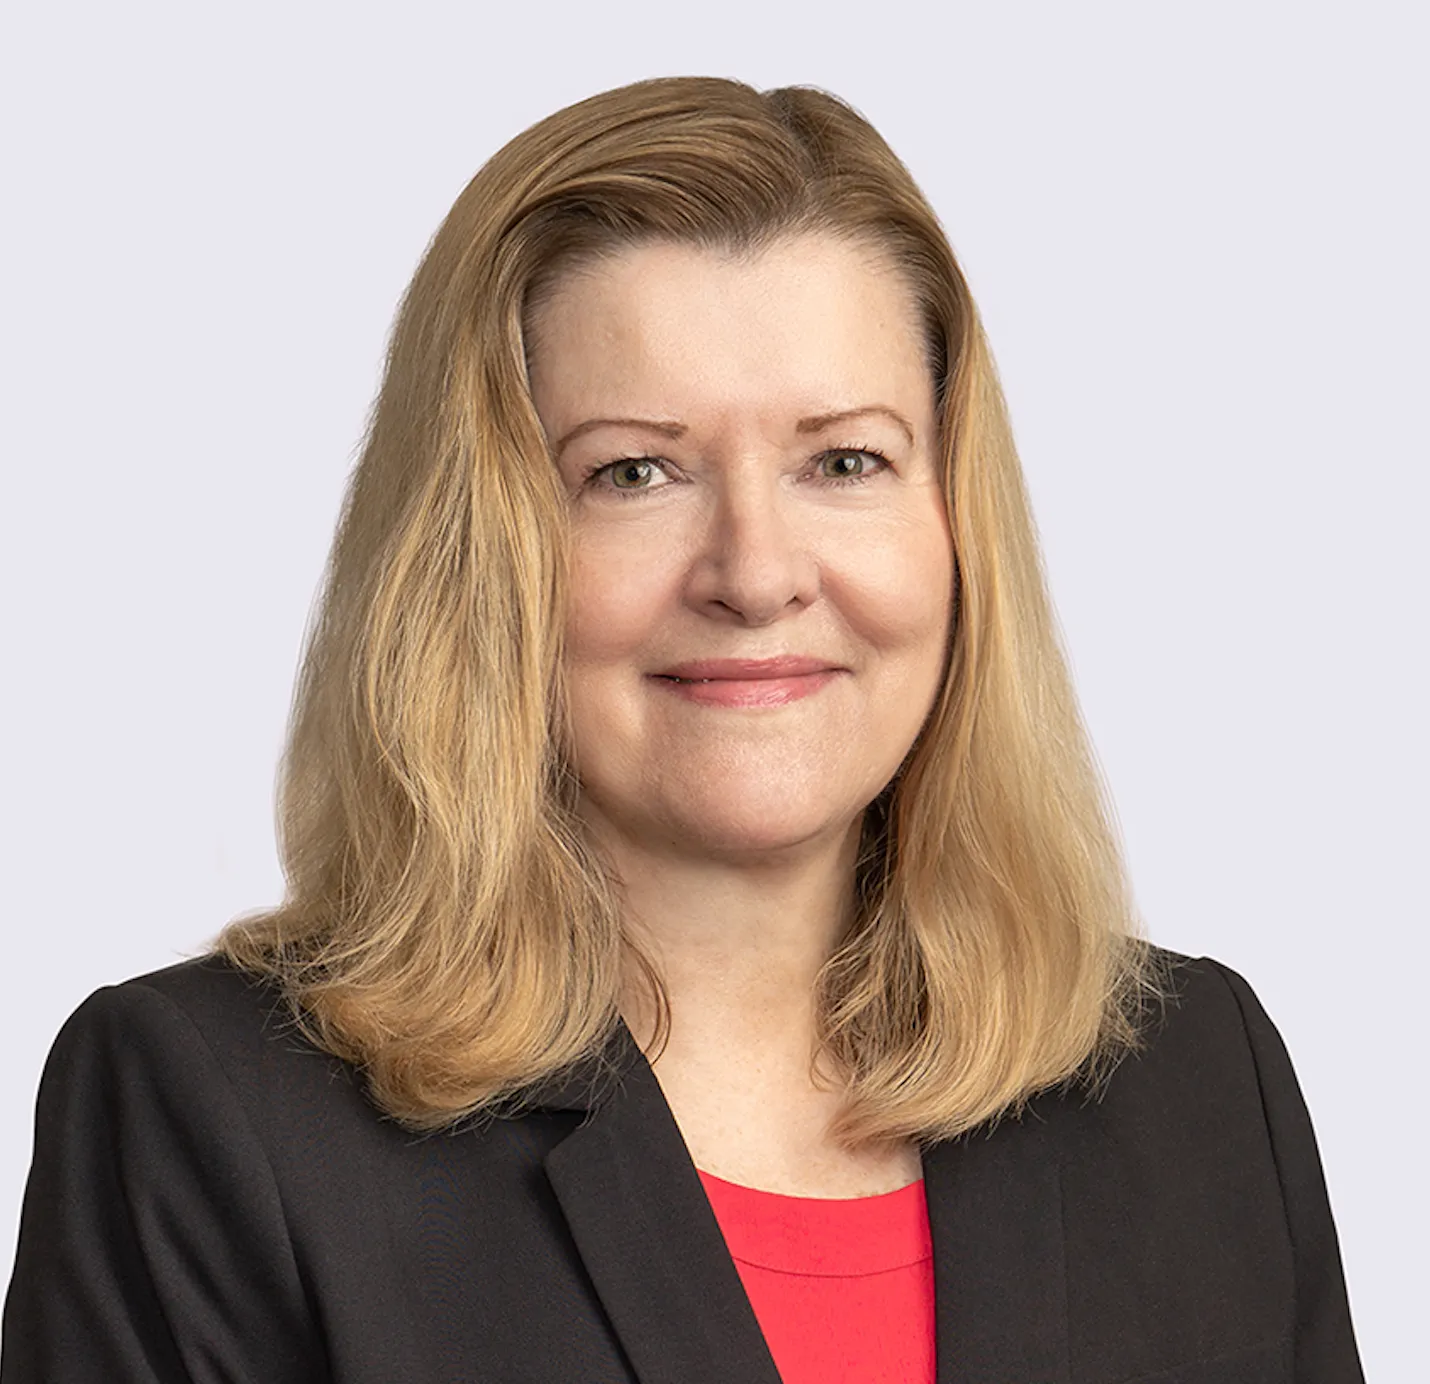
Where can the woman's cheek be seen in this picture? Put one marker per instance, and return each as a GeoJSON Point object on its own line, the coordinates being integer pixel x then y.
{"type": "Point", "coordinates": [895, 592]}
{"type": "Point", "coordinates": [617, 596]}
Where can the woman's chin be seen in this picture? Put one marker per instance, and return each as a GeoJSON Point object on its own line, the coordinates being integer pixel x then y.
{"type": "Point", "coordinates": [768, 843]}
{"type": "Point", "coordinates": [745, 831]}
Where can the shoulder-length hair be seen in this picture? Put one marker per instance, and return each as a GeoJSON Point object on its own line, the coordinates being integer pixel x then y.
{"type": "Point", "coordinates": [446, 926]}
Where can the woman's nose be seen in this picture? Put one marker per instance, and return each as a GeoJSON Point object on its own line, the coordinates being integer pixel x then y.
{"type": "Point", "coordinates": [755, 561]}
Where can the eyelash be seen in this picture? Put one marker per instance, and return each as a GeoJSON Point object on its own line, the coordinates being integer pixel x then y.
{"type": "Point", "coordinates": [606, 467]}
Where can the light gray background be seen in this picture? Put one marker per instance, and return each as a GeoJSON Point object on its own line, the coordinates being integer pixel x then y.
{"type": "Point", "coordinates": [1197, 231]}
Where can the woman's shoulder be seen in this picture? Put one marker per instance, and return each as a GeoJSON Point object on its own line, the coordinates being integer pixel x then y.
{"type": "Point", "coordinates": [1205, 1018]}
{"type": "Point", "coordinates": [209, 990]}
{"type": "Point", "coordinates": [1198, 1000]}
{"type": "Point", "coordinates": [1198, 1156]}
{"type": "Point", "coordinates": [153, 1181]}
{"type": "Point", "coordinates": [205, 998]}
{"type": "Point", "coordinates": [1209, 1080]}
{"type": "Point", "coordinates": [202, 1024]}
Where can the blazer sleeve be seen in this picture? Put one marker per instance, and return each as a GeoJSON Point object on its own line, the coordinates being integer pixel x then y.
{"type": "Point", "coordinates": [152, 1241]}
{"type": "Point", "coordinates": [1325, 1348]}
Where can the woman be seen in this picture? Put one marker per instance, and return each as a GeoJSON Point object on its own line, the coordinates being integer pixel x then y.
{"type": "Point", "coordinates": [706, 956]}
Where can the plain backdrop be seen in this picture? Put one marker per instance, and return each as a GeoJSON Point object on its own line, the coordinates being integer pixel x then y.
{"type": "Point", "coordinates": [1198, 236]}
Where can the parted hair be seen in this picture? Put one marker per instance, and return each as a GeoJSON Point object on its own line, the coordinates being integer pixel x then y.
{"type": "Point", "coordinates": [446, 926]}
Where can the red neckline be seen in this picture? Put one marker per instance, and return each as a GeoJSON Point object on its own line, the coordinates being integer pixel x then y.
{"type": "Point", "coordinates": [822, 1236]}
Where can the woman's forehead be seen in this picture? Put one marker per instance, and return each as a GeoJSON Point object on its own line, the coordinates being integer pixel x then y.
{"type": "Point", "coordinates": [810, 322]}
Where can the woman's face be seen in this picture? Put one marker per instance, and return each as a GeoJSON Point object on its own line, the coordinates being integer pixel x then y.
{"type": "Point", "coordinates": [761, 581]}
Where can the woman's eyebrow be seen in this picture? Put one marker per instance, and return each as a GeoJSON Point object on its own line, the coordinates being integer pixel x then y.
{"type": "Point", "coordinates": [666, 429]}
{"type": "Point", "coordinates": [820, 421]}
{"type": "Point", "coordinates": [814, 423]}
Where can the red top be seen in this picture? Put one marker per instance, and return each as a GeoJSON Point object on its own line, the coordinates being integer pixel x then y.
{"type": "Point", "coordinates": [843, 1290]}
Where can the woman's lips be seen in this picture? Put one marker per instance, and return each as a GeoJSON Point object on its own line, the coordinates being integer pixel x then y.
{"type": "Point", "coordinates": [748, 681]}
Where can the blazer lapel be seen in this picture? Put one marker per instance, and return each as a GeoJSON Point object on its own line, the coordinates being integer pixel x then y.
{"type": "Point", "coordinates": [646, 1233]}
{"type": "Point", "coordinates": [995, 1218]}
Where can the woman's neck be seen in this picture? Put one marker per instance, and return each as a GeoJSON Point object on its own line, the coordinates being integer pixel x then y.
{"type": "Point", "coordinates": [738, 947]}
{"type": "Point", "coordinates": [738, 943]}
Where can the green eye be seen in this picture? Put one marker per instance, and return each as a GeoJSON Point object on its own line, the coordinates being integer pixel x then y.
{"type": "Point", "coordinates": [631, 475]}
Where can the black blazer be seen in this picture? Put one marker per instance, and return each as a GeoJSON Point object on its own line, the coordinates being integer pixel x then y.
{"type": "Point", "coordinates": [214, 1200]}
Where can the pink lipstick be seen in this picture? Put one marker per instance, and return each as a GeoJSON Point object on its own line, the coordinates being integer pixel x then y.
{"type": "Point", "coordinates": [749, 682]}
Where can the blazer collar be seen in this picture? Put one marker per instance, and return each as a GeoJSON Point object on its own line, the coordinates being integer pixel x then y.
{"type": "Point", "coordinates": [645, 1231]}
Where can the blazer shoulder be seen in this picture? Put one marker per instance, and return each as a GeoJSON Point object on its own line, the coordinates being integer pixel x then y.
{"type": "Point", "coordinates": [210, 989]}
{"type": "Point", "coordinates": [1201, 1010]}
{"type": "Point", "coordinates": [1197, 1063]}
{"type": "Point", "coordinates": [1216, 1058]}
{"type": "Point", "coordinates": [154, 1238]}
{"type": "Point", "coordinates": [207, 1009]}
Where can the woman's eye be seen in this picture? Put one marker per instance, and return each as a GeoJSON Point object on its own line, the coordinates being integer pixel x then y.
{"type": "Point", "coordinates": [630, 473]}
{"type": "Point", "coordinates": [849, 464]}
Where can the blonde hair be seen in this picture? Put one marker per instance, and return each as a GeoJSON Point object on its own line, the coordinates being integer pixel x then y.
{"type": "Point", "coordinates": [446, 927]}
